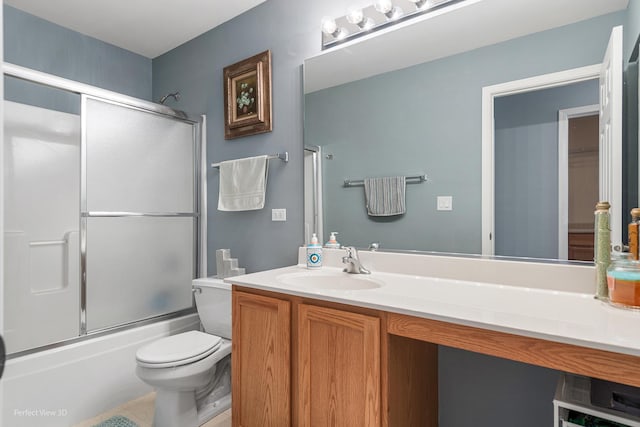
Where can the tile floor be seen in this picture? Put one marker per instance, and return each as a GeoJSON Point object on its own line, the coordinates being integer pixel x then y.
{"type": "Point", "coordinates": [141, 412]}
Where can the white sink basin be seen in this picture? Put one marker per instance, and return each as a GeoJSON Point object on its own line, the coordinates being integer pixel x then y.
{"type": "Point", "coordinates": [337, 280]}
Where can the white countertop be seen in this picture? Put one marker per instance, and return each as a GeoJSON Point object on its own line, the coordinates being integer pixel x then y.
{"type": "Point", "coordinates": [549, 314]}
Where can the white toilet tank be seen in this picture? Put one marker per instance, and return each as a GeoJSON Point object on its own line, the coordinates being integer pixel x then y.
{"type": "Point", "coordinates": [213, 301]}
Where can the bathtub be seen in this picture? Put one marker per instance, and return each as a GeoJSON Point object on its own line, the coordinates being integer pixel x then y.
{"type": "Point", "coordinates": [68, 384]}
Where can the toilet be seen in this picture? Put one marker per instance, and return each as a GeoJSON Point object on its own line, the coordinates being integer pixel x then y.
{"type": "Point", "coordinates": [191, 371]}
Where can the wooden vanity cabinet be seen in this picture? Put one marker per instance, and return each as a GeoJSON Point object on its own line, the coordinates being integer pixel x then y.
{"type": "Point", "coordinates": [299, 362]}
{"type": "Point", "coordinates": [260, 361]}
{"type": "Point", "coordinates": [338, 368]}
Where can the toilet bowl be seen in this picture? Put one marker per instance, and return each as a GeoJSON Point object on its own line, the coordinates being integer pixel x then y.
{"type": "Point", "coordinates": [191, 371]}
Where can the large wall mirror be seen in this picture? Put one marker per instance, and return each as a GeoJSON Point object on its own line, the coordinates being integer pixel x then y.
{"type": "Point", "coordinates": [408, 102]}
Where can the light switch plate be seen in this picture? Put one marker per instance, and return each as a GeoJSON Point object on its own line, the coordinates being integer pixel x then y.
{"type": "Point", "coordinates": [445, 203]}
{"type": "Point", "coordinates": [278, 214]}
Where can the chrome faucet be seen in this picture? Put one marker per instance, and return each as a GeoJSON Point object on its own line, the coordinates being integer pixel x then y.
{"type": "Point", "coordinates": [353, 262]}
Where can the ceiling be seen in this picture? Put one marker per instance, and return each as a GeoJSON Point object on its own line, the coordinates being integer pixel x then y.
{"type": "Point", "coordinates": [147, 27]}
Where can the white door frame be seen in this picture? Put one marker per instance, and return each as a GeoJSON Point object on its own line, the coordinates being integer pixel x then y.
{"type": "Point", "coordinates": [563, 172]}
{"type": "Point", "coordinates": [489, 93]}
{"type": "Point", "coordinates": [1, 205]}
{"type": "Point", "coordinates": [313, 220]}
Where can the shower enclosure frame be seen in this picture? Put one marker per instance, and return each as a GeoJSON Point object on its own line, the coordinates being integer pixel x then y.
{"type": "Point", "coordinates": [87, 92]}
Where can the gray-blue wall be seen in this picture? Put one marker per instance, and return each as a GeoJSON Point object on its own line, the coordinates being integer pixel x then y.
{"type": "Point", "coordinates": [427, 119]}
{"type": "Point", "coordinates": [41, 45]}
{"type": "Point", "coordinates": [631, 28]}
{"type": "Point", "coordinates": [290, 29]}
{"type": "Point", "coordinates": [526, 168]}
{"type": "Point", "coordinates": [482, 391]}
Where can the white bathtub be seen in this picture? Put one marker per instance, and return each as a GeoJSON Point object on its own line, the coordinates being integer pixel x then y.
{"type": "Point", "coordinates": [66, 385]}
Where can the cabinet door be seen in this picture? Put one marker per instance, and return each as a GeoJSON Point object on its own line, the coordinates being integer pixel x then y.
{"type": "Point", "coordinates": [261, 343]}
{"type": "Point", "coordinates": [339, 368]}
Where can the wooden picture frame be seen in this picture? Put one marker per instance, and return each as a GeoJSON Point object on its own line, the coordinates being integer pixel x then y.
{"type": "Point", "coordinates": [247, 96]}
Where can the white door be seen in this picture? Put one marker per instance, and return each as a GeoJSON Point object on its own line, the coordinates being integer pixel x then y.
{"type": "Point", "coordinates": [610, 187]}
{"type": "Point", "coordinates": [611, 133]}
{"type": "Point", "coordinates": [563, 174]}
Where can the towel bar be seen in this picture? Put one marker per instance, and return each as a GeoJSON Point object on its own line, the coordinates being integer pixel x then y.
{"type": "Point", "coordinates": [416, 179]}
{"type": "Point", "coordinates": [282, 156]}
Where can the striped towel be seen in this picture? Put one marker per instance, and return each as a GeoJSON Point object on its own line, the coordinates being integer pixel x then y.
{"type": "Point", "coordinates": [385, 196]}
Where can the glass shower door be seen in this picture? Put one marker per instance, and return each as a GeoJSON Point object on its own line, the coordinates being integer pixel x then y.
{"type": "Point", "coordinates": [139, 214]}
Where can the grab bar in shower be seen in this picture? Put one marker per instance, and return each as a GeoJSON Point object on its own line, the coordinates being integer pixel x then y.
{"type": "Point", "coordinates": [417, 179]}
{"type": "Point", "coordinates": [48, 242]}
{"type": "Point", "coordinates": [282, 156]}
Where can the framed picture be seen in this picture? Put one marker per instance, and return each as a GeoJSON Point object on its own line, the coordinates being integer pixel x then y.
{"type": "Point", "coordinates": [247, 96]}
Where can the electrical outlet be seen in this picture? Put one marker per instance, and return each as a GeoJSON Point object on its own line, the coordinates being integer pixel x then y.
{"type": "Point", "coordinates": [278, 214]}
{"type": "Point", "coordinates": [445, 203]}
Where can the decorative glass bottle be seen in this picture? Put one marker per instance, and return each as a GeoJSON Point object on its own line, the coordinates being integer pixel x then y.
{"type": "Point", "coordinates": [602, 248]}
{"type": "Point", "coordinates": [623, 278]}
{"type": "Point", "coordinates": [634, 228]}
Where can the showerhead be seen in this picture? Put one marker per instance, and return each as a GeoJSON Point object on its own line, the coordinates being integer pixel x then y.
{"type": "Point", "coordinates": [175, 95]}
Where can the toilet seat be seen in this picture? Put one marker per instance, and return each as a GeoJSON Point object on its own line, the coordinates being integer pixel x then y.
{"type": "Point", "coordinates": [178, 350]}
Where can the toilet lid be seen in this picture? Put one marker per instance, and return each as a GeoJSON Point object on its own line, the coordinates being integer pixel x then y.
{"type": "Point", "coordinates": [187, 347]}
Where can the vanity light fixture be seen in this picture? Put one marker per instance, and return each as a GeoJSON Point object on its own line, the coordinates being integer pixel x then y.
{"type": "Point", "coordinates": [381, 14]}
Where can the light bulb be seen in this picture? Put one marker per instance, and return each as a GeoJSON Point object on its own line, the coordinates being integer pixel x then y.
{"type": "Point", "coordinates": [383, 6]}
{"type": "Point", "coordinates": [328, 25]}
{"type": "Point", "coordinates": [420, 4]}
{"type": "Point", "coordinates": [367, 24]}
{"type": "Point", "coordinates": [387, 8]}
{"type": "Point", "coordinates": [355, 15]}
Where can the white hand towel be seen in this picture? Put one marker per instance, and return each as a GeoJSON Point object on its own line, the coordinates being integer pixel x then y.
{"type": "Point", "coordinates": [243, 183]}
{"type": "Point", "coordinates": [385, 196]}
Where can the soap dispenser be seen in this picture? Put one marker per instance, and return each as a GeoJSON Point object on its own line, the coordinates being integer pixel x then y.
{"type": "Point", "coordinates": [332, 243]}
{"type": "Point", "coordinates": [314, 253]}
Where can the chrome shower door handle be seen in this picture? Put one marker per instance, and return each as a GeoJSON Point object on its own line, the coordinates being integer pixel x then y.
{"type": "Point", "coordinates": [3, 355]}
